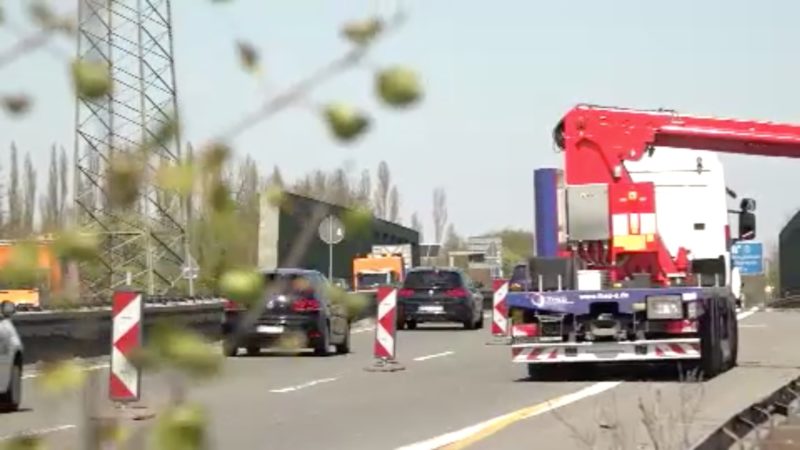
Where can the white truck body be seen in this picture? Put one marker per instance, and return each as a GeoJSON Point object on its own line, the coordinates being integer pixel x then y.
{"type": "Point", "coordinates": [691, 202]}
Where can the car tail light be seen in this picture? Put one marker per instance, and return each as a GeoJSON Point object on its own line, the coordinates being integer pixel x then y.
{"type": "Point", "coordinates": [305, 305]}
{"type": "Point", "coordinates": [230, 305]}
{"type": "Point", "coordinates": [405, 293]}
{"type": "Point", "coordinates": [456, 292]}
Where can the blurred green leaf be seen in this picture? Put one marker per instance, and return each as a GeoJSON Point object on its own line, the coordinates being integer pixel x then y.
{"type": "Point", "coordinates": [362, 32]}
{"type": "Point", "coordinates": [125, 176]}
{"type": "Point", "coordinates": [214, 156]}
{"type": "Point", "coordinates": [358, 221]}
{"type": "Point", "coordinates": [345, 122]}
{"type": "Point", "coordinates": [61, 377]}
{"type": "Point", "coordinates": [398, 86]}
{"type": "Point", "coordinates": [248, 56]}
{"type": "Point", "coordinates": [179, 178]}
{"type": "Point", "coordinates": [91, 79]}
{"type": "Point", "coordinates": [16, 104]}
{"type": "Point", "coordinates": [22, 269]}
{"type": "Point", "coordinates": [27, 442]}
{"type": "Point", "coordinates": [76, 245]}
{"type": "Point", "coordinates": [242, 286]}
{"type": "Point", "coordinates": [183, 349]}
{"type": "Point", "coordinates": [181, 427]}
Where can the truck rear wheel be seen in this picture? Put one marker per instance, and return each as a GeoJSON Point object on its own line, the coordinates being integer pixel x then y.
{"type": "Point", "coordinates": [711, 355]}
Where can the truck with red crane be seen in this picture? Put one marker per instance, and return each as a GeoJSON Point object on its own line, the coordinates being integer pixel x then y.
{"type": "Point", "coordinates": [641, 270]}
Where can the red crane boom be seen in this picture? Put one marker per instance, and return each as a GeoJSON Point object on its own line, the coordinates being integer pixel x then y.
{"type": "Point", "coordinates": [598, 140]}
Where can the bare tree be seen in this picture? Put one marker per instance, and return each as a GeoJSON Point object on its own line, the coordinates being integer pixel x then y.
{"type": "Point", "coordinates": [394, 205]}
{"type": "Point", "coordinates": [364, 191]}
{"type": "Point", "coordinates": [29, 194]}
{"type": "Point", "coordinates": [339, 189]}
{"type": "Point", "coordinates": [63, 173]}
{"type": "Point", "coordinates": [439, 213]}
{"type": "Point", "coordinates": [452, 240]}
{"type": "Point", "coordinates": [382, 191]}
{"type": "Point", "coordinates": [14, 200]}
{"type": "Point", "coordinates": [416, 224]}
{"type": "Point", "coordinates": [49, 204]}
{"type": "Point", "coordinates": [276, 179]}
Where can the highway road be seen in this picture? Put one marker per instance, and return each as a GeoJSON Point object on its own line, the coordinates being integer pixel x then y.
{"type": "Point", "coordinates": [453, 384]}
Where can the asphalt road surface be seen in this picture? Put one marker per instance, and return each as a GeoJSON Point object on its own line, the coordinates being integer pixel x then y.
{"type": "Point", "coordinates": [456, 392]}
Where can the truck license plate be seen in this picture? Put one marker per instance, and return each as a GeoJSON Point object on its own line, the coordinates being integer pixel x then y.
{"type": "Point", "coordinates": [435, 309]}
{"type": "Point", "coordinates": [269, 329]}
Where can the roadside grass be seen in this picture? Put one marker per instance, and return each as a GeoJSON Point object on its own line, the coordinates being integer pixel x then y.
{"type": "Point", "coordinates": [663, 422]}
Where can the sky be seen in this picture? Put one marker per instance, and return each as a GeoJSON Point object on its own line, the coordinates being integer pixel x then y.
{"type": "Point", "coordinates": [498, 76]}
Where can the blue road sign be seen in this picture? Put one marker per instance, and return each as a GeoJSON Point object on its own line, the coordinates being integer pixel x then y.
{"type": "Point", "coordinates": [748, 256]}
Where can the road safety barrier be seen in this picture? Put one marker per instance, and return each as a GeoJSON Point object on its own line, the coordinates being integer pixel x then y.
{"type": "Point", "coordinates": [500, 319]}
{"type": "Point", "coordinates": [87, 332]}
{"type": "Point", "coordinates": [385, 347]}
{"type": "Point", "coordinates": [124, 379]}
{"type": "Point", "coordinates": [759, 425]}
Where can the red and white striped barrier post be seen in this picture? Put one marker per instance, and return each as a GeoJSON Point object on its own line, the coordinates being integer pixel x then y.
{"type": "Point", "coordinates": [386, 332]}
{"type": "Point", "coordinates": [500, 319]}
{"type": "Point", "coordinates": [127, 311]}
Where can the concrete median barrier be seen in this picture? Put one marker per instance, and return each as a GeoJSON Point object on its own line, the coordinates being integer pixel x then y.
{"type": "Point", "coordinates": [86, 333]}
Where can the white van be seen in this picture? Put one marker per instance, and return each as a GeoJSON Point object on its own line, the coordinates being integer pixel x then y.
{"type": "Point", "coordinates": [10, 361]}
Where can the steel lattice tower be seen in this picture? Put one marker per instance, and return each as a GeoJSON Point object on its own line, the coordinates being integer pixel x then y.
{"type": "Point", "coordinates": [146, 247]}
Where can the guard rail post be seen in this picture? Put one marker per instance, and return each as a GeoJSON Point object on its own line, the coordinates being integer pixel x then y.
{"type": "Point", "coordinates": [500, 321]}
{"type": "Point", "coordinates": [385, 348]}
{"type": "Point", "coordinates": [127, 331]}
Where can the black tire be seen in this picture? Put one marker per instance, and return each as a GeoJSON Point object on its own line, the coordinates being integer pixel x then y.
{"type": "Point", "coordinates": [344, 347]}
{"type": "Point", "coordinates": [541, 372]}
{"type": "Point", "coordinates": [470, 323]}
{"type": "Point", "coordinates": [12, 397]}
{"type": "Point", "coordinates": [324, 348]}
{"type": "Point", "coordinates": [401, 322]}
{"type": "Point", "coordinates": [229, 348]}
{"type": "Point", "coordinates": [253, 350]}
{"type": "Point", "coordinates": [480, 321]}
{"type": "Point", "coordinates": [411, 324]}
{"type": "Point", "coordinates": [711, 357]}
{"type": "Point", "coordinates": [734, 339]}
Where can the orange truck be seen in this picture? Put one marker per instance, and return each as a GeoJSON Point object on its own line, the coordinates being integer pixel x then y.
{"type": "Point", "coordinates": [387, 264]}
{"type": "Point", "coordinates": [32, 295]}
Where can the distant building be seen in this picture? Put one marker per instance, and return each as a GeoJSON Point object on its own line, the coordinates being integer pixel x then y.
{"type": "Point", "coordinates": [429, 254]}
{"type": "Point", "coordinates": [281, 227]}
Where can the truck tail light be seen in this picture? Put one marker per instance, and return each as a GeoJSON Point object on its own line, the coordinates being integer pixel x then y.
{"type": "Point", "coordinates": [681, 326]}
{"type": "Point", "coordinates": [524, 330]}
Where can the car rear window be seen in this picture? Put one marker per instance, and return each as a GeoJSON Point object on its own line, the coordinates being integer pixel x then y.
{"type": "Point", "coordinates": [289, 282]}
{"type": "Point", "coordinates": [428, 279]}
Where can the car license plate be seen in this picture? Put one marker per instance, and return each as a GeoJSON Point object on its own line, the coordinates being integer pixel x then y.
{"type": "Point", "coordinates": [270, 329]}
{"type": "Point", "coordinates": [435, 309]}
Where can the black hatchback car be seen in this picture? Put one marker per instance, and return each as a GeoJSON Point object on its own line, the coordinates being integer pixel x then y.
{"type": "Point", "coordinates": [439, 294]}
{"type": "Point", "coordinates": [300, 308]}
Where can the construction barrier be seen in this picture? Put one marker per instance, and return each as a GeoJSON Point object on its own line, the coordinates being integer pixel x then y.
{"type": "Point", "coordinates": [386, 332]}
{"type": "Point", "coordinates": [127, 312]}
{"type": "Point", "coordinates": [500, 319]}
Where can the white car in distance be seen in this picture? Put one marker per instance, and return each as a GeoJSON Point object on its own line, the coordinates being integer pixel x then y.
{"type": "Point", "coordinates": [10, 360]}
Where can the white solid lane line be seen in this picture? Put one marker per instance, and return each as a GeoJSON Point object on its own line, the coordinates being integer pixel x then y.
{"type": "Point", "coordinates": [38, 431]}
{"type": "Point", "coordinates": [302, 386]}
{"type": "Point", "coordinates": [748, 313]}
{"type": "Point", "coordinates": [498, 422]}
{"type": "Point", "coordinates": [435, 355]}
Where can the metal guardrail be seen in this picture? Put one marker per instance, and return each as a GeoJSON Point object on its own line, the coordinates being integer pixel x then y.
{"type": "Point", "coordinates": [86, 331]}
{"type": "Point", "coordinates": [755, 426]}
{"type": "Point", "coordinates": [786, 302]}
